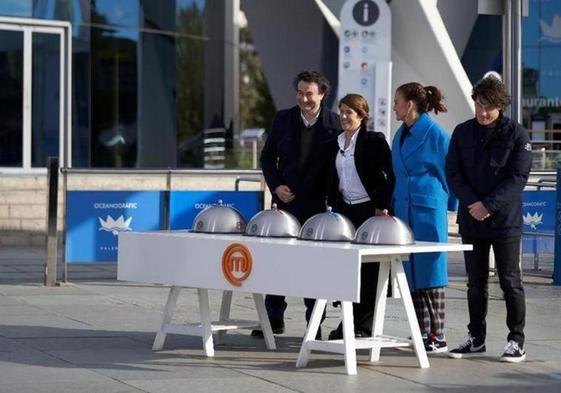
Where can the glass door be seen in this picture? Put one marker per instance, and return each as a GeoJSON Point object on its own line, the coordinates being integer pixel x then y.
{"type": "Point", "coordinates": [34, 91]}
{"type": "Point", "coordinates": [11, 98]}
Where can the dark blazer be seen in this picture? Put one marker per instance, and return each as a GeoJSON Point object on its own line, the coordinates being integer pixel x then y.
{"type": "Point", "coordinates": [280, 160]}
{"type": "Point", "coordinates": [373, 163]}
{"type": "Point", "coordinates": [492, 171]}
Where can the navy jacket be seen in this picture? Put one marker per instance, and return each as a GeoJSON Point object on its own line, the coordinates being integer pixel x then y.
{"type": "Point", "coordinates": [280, 160]}
{"type": "Point", "coordinates": [493, 170]}
{"type": "Point", "coordinates": [373, 163]}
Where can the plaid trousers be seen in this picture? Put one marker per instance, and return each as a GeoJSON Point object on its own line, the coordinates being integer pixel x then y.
{"type": "Point", "coordinates": [429, 307]}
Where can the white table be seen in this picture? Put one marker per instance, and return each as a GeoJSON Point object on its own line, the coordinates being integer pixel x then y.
{"type": "Point", "coordinates": [289, 267]}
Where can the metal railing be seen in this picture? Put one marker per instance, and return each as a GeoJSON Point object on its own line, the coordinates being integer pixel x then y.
{"type": "Point", "coordinates": [252, 176]}
{"type": "Point", "coordinates": [546, 147]}
{"type": "Point", "coordinates": [541, 183]}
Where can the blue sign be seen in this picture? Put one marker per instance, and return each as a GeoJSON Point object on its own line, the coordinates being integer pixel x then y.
{"type": "Point", "coordinates": [95, 218]}
{"type": "Point", "coordinates": [538, 213]}
{"type": "Point", "coordinates": [185, 205]}
{"type": "Point", "coordinates": [557, 256]}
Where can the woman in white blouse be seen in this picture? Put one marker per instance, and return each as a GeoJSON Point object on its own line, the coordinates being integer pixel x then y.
{"type": "Point", "coordinates": [360, 185]}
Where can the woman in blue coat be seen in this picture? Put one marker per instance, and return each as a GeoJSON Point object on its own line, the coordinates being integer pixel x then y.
{"type": "Point", "coordinates": [422, 199]}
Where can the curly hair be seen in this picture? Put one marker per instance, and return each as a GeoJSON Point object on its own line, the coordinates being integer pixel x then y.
{"type": "Point", "coordinates": [313, 77]}
{"type": "Point", "coordinates": [491, 90]}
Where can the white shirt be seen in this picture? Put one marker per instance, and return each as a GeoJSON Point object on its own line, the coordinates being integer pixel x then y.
{"type": "Point", "coordinates": [310, 123]}
{"type": "Point", "coordinates": [350, 185]}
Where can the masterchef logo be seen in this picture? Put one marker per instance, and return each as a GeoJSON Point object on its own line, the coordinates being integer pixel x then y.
{"type": "Point", "coordinates": [236, 263]}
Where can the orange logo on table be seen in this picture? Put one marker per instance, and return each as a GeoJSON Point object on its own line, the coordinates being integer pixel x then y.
{"type": "Point", "coordinates": [236, 263]}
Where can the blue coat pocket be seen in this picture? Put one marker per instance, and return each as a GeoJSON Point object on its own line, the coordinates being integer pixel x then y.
{"type": "Point", "coordinates": [424, 200]}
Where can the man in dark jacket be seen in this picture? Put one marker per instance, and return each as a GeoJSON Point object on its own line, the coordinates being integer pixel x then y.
{"type": "Point", "coordinates": [295, 161]}
{"type": "Point", "coordinates": [487, 166]}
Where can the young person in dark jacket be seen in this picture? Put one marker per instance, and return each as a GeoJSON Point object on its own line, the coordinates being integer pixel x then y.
{"type": "Point", "coordinates": [294, 160]}
{"type": "Point", "coordinates": [487, 166]}
{"type": "Point", "coordinates": [360, 185]}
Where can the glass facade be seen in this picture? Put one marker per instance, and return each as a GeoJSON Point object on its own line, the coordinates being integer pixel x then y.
{"type": "Point", "coordinates": [45, 103]}
{"type": "Point", "coordinates": [541, 72]}
{"type": "Point", "coordinates": [541, 93]}
{"type": "Point", "coordinates": [114, 48]}
{"type": "Point", "coordinates": [147, 81]}
{"type": "Point", "coordinates": [190, 64]}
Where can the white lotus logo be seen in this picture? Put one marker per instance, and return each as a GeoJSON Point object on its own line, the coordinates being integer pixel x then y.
{"type": "Point", "coordinates": [115, 226]}
{"type": "Point", "coordinates": [533, 220]}
{"type": "Point", "coordinates": [551, 32]}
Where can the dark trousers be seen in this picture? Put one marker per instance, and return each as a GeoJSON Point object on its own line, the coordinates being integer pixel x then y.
{"type": "Point", "coordinates": [507, 255]}
{"type": "Point", "coordinates": [363, 312]}
{"type": "Point", "coordinates": [276, 306]}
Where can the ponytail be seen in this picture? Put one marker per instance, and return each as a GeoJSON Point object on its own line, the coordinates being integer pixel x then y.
{"type": "Point", "coordinates": [434, 100]}
{"type": "Point", "coordinates": [428, 98]}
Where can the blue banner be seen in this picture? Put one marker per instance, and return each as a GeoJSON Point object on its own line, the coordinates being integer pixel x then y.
{"type": "Point", "coordinates": [557, 255]}
{"type": "Point", "coordinates": [185, 205]}
{"type": "Point", "coordinates": [538, 213]}
{"type": "Point", "coordinates": [94, 219]}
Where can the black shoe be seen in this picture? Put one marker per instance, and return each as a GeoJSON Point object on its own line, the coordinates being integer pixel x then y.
{"type": "Point", "coordinates": [257, 333]}
{"type": "Point", "coordinates": [514, 353]}
{"type": "Point", "coordinates": [277, 325]}
{"type": "Point", "coordinates": [363, 333]}
{"type": "Point", "coordinates": [435, 344]}
{"type": "Point", "coordinates": [471, 346]}
{"type": "Point", "coordinates": [337, 334]}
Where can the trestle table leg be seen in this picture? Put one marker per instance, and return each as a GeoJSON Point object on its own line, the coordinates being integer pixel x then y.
{"type": "Point", "coordinates": [311, 332]}
{"type": "Point", "coordinates": [380, 307]}
{"type": "Point", "coordinates": [264, 320]}
{"type": "Point", "coordinates": [225, 307]}
{"type": "Point", "coordinates": [349, 337]}
{"type": "Point", "coordinates": [166, 318]}
{"type": "Point", "coordinates": [204, 309]}
{"type": "Point", "coordinates": [397, 267]}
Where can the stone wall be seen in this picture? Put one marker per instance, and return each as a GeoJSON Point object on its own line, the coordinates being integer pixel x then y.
{"type": "Point", "coordinates": [23, 201]}
{"type": "Point", "coordinates": [23, 197]}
